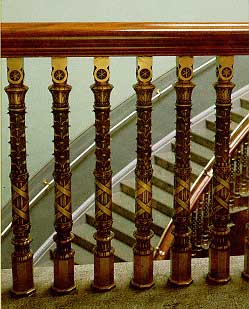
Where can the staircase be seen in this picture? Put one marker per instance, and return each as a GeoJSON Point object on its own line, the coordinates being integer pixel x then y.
{"type": "Point", "coordinates": [163, 182]}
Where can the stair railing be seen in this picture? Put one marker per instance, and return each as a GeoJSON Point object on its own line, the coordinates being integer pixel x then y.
{"type": "Point", "coordinates": [101, 40]}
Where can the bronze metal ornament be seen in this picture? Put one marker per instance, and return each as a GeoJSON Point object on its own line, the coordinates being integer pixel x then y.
{"type": "Point", "coordinates": [63, 255]}
{"type": "Point", "coordinates": [181, 249]}
{"type": "Point", "coordinates": [103, 252]}
{"type": "Point", "coordinates": [22, 257]}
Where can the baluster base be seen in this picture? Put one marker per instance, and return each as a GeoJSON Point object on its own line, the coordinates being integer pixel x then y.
{"type": "Point", "coordinates": [143, 271]}
{"type": "Point", "coordinates": [22, 273]}
{"type": "Point", "coordinates": [103, 273]}
{"type": "Point", "coordinates": [219, 262]}
{"type": "Point", "coordinates": [63, 276]}
{"type": "Point", "coordinates": [181, 269]}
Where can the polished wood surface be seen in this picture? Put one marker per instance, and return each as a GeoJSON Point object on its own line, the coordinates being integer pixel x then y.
{"type": "Point", "coordinates": [115, 39]}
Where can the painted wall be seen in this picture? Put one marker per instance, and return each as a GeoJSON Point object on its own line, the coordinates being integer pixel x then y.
{"type": "Point", "coordinates": [38, 99]}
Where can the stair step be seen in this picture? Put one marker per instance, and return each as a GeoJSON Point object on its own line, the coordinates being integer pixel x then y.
{"type": "Point", "coordinates": [161, 200]}
{"type": "Point", "coordinates": [122, 228]}
{"type": "Point", "coordinates": [167, 161]}
{"type": "Point", "coordinates": [238, 114]}
{"type": "Point", "coordinates": [163, 179]}
{"type": "Point", "coordinates": [198, 153]}
{"type": "Point", "coordinates": [84, 234]}
{"type": "Point", "coordinates": [201, 135]}
{"type": "Point", "coordinates": [82, 256]}
{"type": "Point", "coordinates": [210, 124]}
{"type": "Point", "coordinates": [124, 205]}
{"type": "Point", "coordinates": [244, 102]}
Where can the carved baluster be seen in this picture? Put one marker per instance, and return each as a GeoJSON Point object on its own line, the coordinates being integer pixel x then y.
{"type": "Point", "coordinates": [237, 177]}
{"type": "Point", "coordinates": [199, 223]}
{"type": "Point", "coordinates": [63, 254]}
{"type": "Point", "coordinates": [22, 257]}
{"type": "Point", "coordinates": [245, 163]}
{"type": "Point", "coordinates": [104, 253]}
{"type": "Point", "coordinates": [143, 252]}
{"type": "Point", "coordinates": [205, 226]}
{"type": "Point", "coordinates": [245, 273]}
{"type": "Point", "coordinates": [232, 184]}
{"type": "Point", "coordinates": [219, 251]}
{"type": "Point", "coordinates": [194, 230]}
{"type": "Point", "coordinates": [181, 249]}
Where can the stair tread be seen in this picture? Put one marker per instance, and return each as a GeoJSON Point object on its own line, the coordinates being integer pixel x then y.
{"type": "Point", "coordinates": [170, 157]}
{"type": "Point", "coordinates": [128, 203]}
{"type": "Point", "coordinates": [157, 194]}
{"type": "Point", "coordinates": [86, 231]}
{"type": "Point", "coordinates": [238, 113]}
{"type": "Point", "coordinates": [201, 150]}
{"type": "Point", "coordinates": [125, 226]}
{"type": "Point", "coordinates": [212, 119]}
{"type": "Point", "coordinates": [82, 256]}
{"type": "Point", "coordinates": [244, 101]}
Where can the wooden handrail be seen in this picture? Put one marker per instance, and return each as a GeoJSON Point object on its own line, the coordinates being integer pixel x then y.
{"type": "Point", "coordinates": [203, 180]}
{"type": "Point", "coordinates": [123, 39]}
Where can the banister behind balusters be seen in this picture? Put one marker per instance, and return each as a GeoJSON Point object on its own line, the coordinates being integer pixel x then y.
{"type": "Point", "coordinates": [123, 39]}
{"type": "Point", "coordinates": [201, 184]}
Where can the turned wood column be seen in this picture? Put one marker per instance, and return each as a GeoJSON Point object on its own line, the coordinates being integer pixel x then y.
{"type": "Point", "coordinates": [63, 255]}
{"type": "Point", "coordinates": [143, 251]}
{"type": "Point", "coordinates": [181, 249]}
{"type": "Point", "coordinates": [219, 250]}
{"type": "Point", "coordinates": [22, 257]}
{"type": "Point", "coordinates": [103, 253]}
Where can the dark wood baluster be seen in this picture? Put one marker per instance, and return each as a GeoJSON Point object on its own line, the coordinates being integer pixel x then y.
{"type": "Point", "coordinates": [245, 273]}
{"type": "Point", "coordinates": [199, 223]}
{"type": "Point", "coordinates": [219, 251]}
{"type": "Point", "coordinates": [103, 253]}
{"type": "Point", "coordinates": [232, 184]}
{"type": "Point", "coordinates": [63, 254]}
{"type": "Point", "coordinates": [143, 251]}
{"type": "Point", "coordinates": [22, 257]}
{"type": "Point", "coordinates": [206, 214]}
{"type": "Point", "coordinates": [245, 168]}
{"type": "Point", "coordinates": [194, 230]}
{"type": "Point", "coordinates": [237, 177]}
{"type": "Point", "coordinates": [181, 249]}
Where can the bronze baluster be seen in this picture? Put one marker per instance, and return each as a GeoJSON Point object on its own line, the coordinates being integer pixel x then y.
{"type": "Point", "coordinates": [237, 177]}
{"type": "Point", "coordinates": [103, 253]}
{"type": "Point", "coordinates": [232, 184]}
{"type": "Point", "coordinates": [143, 251]}
{"type": "Point", "coordinates": [245, 168]}
{"type": "Point", "coordinates": [245, 273]}
{"type": "Point", "coordinates": [199, 223]}
{"type": "Point", "coordinates": [63, 254]}
{"type": "Point", "coordinates": [181, 249]}
{"type": "Point", "coordinates": [219, 250]}
{"type": "Point", "coordinates": [193, 230]}
{"type": "Point", "coordinates": [22, 257]}
{"type": "Point", "coordinates": [205, 233]}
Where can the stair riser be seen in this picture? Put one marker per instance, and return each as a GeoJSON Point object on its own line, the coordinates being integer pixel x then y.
{"type": "Point", "coordinates": [155, 204]}
{"type": "Point", "coordinates": [236, 117]}
{"type": "Point", "coordinates": [211, 126]}
{"type": "Point", "coordinates": [162, 184]}
{"type": "Point", "coordinates": [158, 230]}
{"type": "Point", "coordinates": [170, 167]}
{"type": "Point", "coordinates": [202, 141]}
{"type": "Point", "coordinates": [244, 103]}
{"type": "Point", "coordinates": [195, 157]}
{"type": "Point", "coordinates": [127, 239]}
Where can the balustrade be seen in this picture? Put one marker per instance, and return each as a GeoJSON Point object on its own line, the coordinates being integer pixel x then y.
{"type": "Point", "coordinates": [193, 209]}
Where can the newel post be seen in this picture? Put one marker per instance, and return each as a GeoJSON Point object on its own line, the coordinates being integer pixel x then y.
{"type": "Point", "coordinates": [103, 253]}
{"type": "Point", "coordinates": [143, 251]}
{"type": "Point", "coordinates": [219, 250]}
{"type": "Point", "coordinates": [63, 254]}
{"type": "Point", "coordinates": [181, 249]}
{"type": "Point", "coordinates": [22, 257]}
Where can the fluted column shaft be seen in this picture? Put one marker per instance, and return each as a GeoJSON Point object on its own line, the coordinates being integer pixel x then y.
{"type": "Point", "coordinates": [103, 253]}
{"type": "Point", "coordinates": [219, 250]}
{"type": "Point", "coordinates": [22, 257]}
{"type": "Point", "coordinates": [143, 251]}
{"type": "Point", "coordinates": [63, 254]}
{"type": "Point", "coordinates": [181, 249]}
